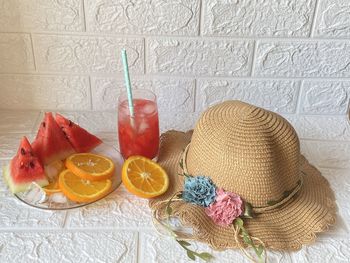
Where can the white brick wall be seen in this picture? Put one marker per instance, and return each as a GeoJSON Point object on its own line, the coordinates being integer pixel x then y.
{"type": "Point", "coordinates": [258, 18]}
{"type": "Point", "coordinates": [290, 56]}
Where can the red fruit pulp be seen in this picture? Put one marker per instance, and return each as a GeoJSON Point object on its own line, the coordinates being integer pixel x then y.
{"type": "Point", "coordinates": [25, 166]}
{"type": "Point", "coordinates": [138, 135]}
{"type": "Point", "coordinates": [79, 138]}
{"type": "Point", "coordinates": [50, 143]}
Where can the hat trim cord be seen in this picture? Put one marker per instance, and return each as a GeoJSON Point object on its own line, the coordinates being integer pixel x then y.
{"type": "Point", "coordinates": [288, 195]}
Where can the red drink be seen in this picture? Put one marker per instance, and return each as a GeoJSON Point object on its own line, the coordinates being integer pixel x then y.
{"type": "Point", "coordinates": [138, 135]}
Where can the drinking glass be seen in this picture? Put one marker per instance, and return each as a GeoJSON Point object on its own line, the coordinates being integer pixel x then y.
{"type": "Point", "coordinates": [138, 135]}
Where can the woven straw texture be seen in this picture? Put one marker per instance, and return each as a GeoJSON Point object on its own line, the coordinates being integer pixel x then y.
{"type": "Point", "coordinates": [254, 153]}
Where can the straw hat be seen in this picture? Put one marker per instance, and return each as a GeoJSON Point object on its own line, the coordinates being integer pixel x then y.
{"type": "Point", "coordinates": [256, 154]}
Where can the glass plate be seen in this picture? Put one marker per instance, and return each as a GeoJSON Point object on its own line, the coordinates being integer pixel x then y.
{"type": "Point", "coordinates": [36, 197]}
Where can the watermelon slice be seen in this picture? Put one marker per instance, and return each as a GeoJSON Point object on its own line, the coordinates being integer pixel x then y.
{"type": "Point", "coordinates": [50, 143]}
{"type": "Point", "coordinates": [24, 169]}
{"type": "Point", "coordinates": [79, 138]}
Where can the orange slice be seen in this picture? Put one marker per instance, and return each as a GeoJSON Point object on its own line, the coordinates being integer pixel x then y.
{"type": "Point", "coordinates": [82, 190]}
{"type": "Point", "coordinates": [143, 177]}
{"type": "Point", "coordinates": [90, 166]}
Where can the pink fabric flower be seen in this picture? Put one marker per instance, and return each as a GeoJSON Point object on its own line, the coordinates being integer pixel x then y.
{"type": "Point", "coordinates": [226, 208]}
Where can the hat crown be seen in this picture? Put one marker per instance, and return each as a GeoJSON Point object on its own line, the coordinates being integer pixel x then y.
{"type": "Point", "coordinates": [247, 150]}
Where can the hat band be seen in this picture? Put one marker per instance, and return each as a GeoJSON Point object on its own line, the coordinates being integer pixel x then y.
{"type": "Point", "coordinates": [271, 205]}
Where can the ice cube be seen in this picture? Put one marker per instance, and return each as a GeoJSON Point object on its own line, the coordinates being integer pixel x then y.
{"type": "Point", "coordinates": [58, 198]}
{"type": "Point", "coordinates": [35, 194]}
{"type": "Point", "coordinates": [148, 109]}
{"type": "Point", "coordinates": [143, 126]}
{"type": "Point", "coordinates": [51, 172]}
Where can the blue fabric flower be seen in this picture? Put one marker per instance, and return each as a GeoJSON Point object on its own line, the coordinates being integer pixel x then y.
{"type": "Point", "coordinates": [199, 190]}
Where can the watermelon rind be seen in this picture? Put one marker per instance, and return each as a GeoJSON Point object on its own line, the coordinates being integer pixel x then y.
{"type": "Point", "coordinates": [5, 173]}
{"type": "Point", "coordinates": [17, 188]}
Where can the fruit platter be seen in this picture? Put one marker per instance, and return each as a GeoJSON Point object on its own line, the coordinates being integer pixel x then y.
{"type": "Point", "coordinates": [64, 167]}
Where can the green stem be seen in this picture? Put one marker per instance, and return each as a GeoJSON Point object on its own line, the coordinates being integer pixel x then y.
{"type": "Point", "coordinates": [251, 243]}
{"type": "Point", "coordinates": [168, 210]}
{"type": "Point", "coordinates": [194, 253]}
{"type": "Point", "coordinates": [255, 248]}
{"type": "Point", "coordinates": [257, 253]}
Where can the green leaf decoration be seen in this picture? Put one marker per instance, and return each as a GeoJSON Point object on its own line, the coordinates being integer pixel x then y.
{"type": "Point", "coordinates": [244, 231]}
{"type": "Point", "coordinates": [183, 242]}
{"type": "Point", "coordinates": [260, 250]}
{"type": "Point", "coordinates": [191, 255]}
{"type": "Point", "coordinates": [239, 222]}
{"type": "Point", "coordinates": [181, 163]}
{"type": "Point", "coordinates": [169, 210]}
{"type": "Point", "coordinates": [187, 175]}
{"type": "Point", "coordinates": [247, 240]}
{"type": "Point", "coordinates": [271, 202]}
{"type": "Point", "coordinates": [205, 256]}
{"type": "Point", "coordinates": [284, 195]}
{"type": "Point", "coordinates": [248, 210]}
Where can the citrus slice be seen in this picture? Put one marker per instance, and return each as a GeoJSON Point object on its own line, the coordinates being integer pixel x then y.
{"type": "Point", "coordinates": [81, 190]}
{"type": "Point", "coordinates": [143, 177]}
{"type": "Point", "coordinates": [52, 188]}
{"type": "Point", "coordinates": [90, 166]}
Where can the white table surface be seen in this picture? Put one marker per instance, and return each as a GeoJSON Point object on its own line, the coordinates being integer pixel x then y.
{"type": "Point", "coordinates": [119, 228]}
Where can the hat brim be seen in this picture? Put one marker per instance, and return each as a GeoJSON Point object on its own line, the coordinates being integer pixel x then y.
{"type": "Point", "coordinates": [296, 223]}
